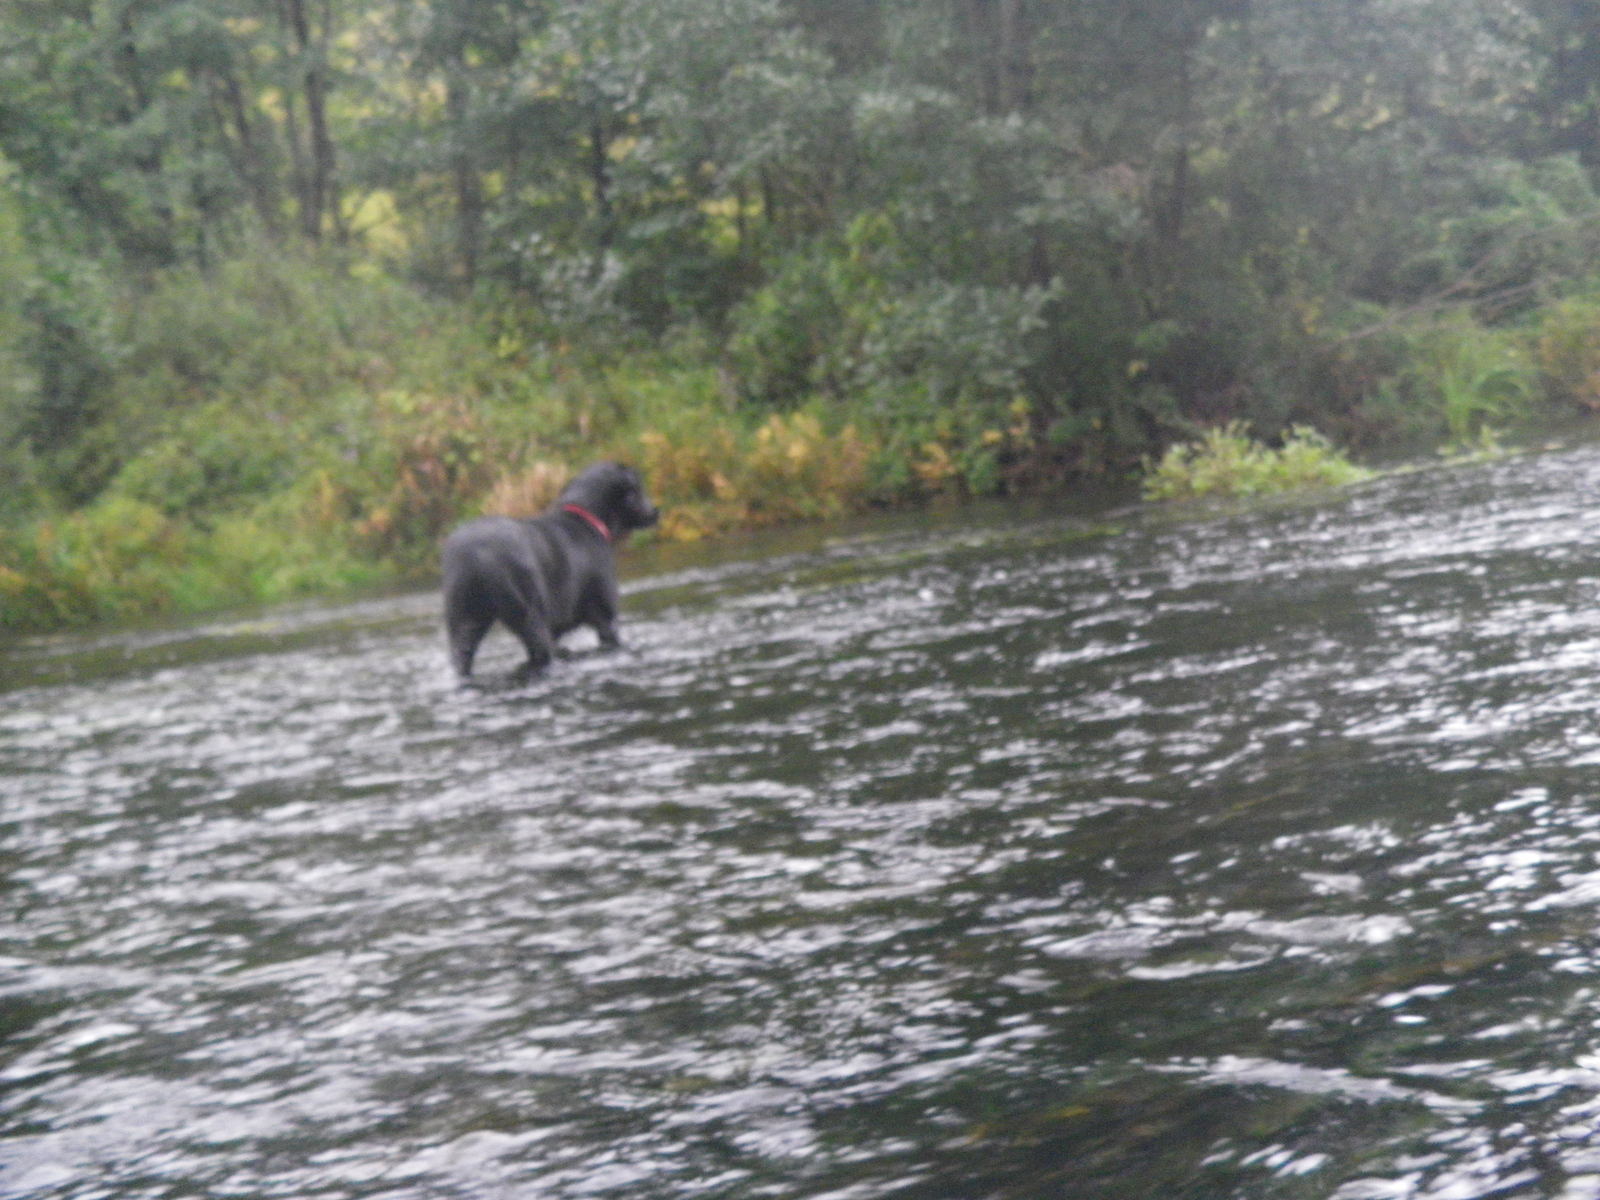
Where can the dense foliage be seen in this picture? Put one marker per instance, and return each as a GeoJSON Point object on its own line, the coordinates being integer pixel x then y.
{"type": "Point", "coordinates": [294, 285]}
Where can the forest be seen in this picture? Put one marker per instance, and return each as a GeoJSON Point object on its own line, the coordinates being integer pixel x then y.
{"type": "Point", "coordinates": [294, 285]}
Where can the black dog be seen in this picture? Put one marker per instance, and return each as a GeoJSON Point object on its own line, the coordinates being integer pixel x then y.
{"type": "Point", "coordinates": [543, 576]}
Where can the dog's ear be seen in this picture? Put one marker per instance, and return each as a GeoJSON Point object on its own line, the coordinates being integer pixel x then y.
{"type": "Point", "coordinates": [625, 479]}
{"type": "Point", "coordinates": [632, 505]}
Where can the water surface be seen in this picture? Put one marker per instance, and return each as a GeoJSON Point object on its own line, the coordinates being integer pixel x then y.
{"type": "Point", "coordinates": [1250, 853]}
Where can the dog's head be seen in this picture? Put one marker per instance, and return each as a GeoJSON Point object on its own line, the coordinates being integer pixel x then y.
{"type": "Point", "coordinates": [614, 493]}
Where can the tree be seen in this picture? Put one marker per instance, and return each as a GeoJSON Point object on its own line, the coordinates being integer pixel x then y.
{"type": "Point", "coordinates": [160, 121]}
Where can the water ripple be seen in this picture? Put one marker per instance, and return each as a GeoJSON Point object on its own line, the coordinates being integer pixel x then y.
{"type": "Point", "coordinates": [1253, 855]}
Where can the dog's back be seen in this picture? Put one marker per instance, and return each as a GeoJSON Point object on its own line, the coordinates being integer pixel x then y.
{"type": "Point", "coordinates": [489, 564]}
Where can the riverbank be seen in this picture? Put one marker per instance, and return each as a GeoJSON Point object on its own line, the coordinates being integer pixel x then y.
{"type": "Point", "coordinates": [274, 430]}
{"type": "Point", "coordinates": [124, 559]}
{"type": "Point", "coordinates": [374, 520]}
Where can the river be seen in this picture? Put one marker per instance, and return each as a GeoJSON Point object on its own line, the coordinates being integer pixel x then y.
{"type": "Point", "coordinates": [1243, 852]}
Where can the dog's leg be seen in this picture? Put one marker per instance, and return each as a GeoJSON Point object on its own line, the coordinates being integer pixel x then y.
{"type": "Point", "coordinates": [466, 632]}
{"type": "Point", "coordinates": [535, 637]}
{"type": "Point", "coordinates": [601, 616]}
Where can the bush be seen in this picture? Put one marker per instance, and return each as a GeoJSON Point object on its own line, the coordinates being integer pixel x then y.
{"type": "Point", "coordinates": [192, 390]}
{"type": "Point", "coordinates": [786, 332]}
{"type": "Point", "coordinates": [123, 558]}
{"type": "Point", "coordinates": [848, 320]}
{"type": "Point", "coordinates": [285, 331]}
{"type": "Point", "coordinates": [723, 475]}
{"type": "Point", "coordinates": [527, 490]}
{"type": "Point", "coordinates": [113, 559]}
{"type": "Point", "coordinates": [212, 458]}
{"type": "Point", "coordinates": [423, 462]}
{"type": "Point", "coordinates": [1475, 378]}
{"type": "Point", "coordinates": [961, 452]}
{"type": "Point", "coordinates": [1226, 461]}
{"type": "Point", "coordinates": [1568, 351]}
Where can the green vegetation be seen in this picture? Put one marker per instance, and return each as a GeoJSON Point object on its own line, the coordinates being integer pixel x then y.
{"type": "Point", "coordinates": [293, 288]}
{"type": "Point", "coordinates": [1228, 462]}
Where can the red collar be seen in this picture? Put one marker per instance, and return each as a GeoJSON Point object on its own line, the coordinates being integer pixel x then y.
{"type": "Point", "coordinates": [578, 510]}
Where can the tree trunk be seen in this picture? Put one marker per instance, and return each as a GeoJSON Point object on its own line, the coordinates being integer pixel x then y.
{"type": "Point", "coordinates": [314, 158]}
{"type": "Point", "coordinates": [162, 243]}
{"type": "Point", "coordinates": [249, 156]}
{"type": "Point", "coordinates": [1173, 211]}
{"type": "Point", "coordinates": [600, 177]}
{"type": "Point", "coordinates": [996, 33]}
{"type": "Point", "coordinates": [470, 203]}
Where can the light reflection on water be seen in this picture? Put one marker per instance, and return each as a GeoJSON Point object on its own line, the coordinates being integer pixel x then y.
{"type": "Point", "coordinates": [1254, 855]}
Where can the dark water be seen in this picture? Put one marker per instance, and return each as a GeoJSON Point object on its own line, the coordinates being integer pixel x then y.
{"type": "Point", "coordinates": [1254, 854]}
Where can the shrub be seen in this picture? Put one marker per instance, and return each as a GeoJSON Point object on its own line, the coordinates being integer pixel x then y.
{"type": "Point", "coordinates": [213, 457]}
{"type": "Point", "coordinates": [782, 333]}
{"type": "Point", "coordinates": [279, 328]}
{"type": "Point", "coordinates": [795, 470]}
{"type": "Point", "coordinates": [1568, 351]}
{"type": "Point", "coordinates": [527, 490]}
{"type": "Point", "coordinates": [427, 459]}
{"type": "Point", "coordinates": [122, 558]}
{"type": "Point", "coordinates": [1474, 377]}
{"type": "Point", "coordinates": [723, 475]}
{"type": "Point", "coordinates": [112, 559]}
{"type": "Point", "coordinates": [1226, 461]}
